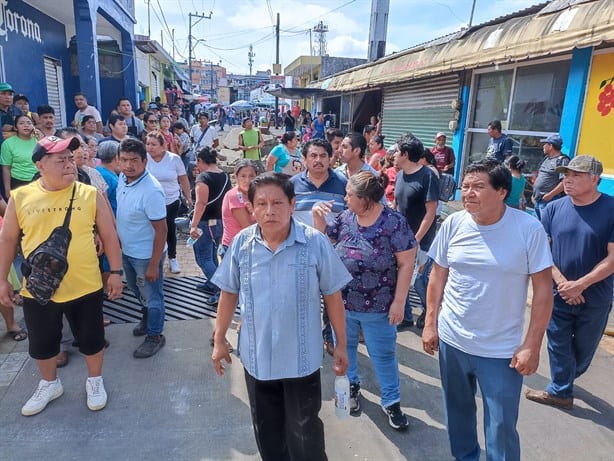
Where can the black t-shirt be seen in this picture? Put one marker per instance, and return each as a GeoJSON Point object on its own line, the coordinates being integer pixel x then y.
{"type": "Point", "coordinates": [219, 184]}
{"type": "Point", "coordinates": [411, 193]}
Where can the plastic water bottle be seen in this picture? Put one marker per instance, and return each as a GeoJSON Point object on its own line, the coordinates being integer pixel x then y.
{"type": "Point", "coordinates": [342, 397]}
{"type": "Point", "coordinates": [191, 241]}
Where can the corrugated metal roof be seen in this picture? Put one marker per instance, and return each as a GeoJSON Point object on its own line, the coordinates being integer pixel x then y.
{"type": "Point", "coordinates": [542, 33]}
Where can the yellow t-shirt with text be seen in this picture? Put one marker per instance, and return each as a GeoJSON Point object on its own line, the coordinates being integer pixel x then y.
{"type": "Point", "coordinates": [40, 211]}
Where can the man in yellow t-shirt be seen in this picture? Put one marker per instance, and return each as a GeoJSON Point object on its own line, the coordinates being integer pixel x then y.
{"type": "Point", "coordinates": [34, 211]}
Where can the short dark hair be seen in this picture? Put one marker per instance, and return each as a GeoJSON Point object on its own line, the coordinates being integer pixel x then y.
{"type": "Point", "coordinates": [499, 176]}
{"type": "Point", "coordinates": [495, 125]}
{"type": "Point", "coordinates": [271, 178]}
{"type": "Point", "coordinates": [319, 143]}
{"type": "Point", "coordinates": [333, 133]}
{"type": "Point", "coordinates": [114, 118]}
{"type": "Point", "coordinates": [358, 141]}
{"type": "Point", "coordinates": [123, 98]}
{"type": "Point", "coordinates": [207, 155]}
{"type": "Point", "coordinates": [413, 148]}
{"type": "Point", "coordinates": [45, 109]}
{"type": "Point", "coordinates": [203, 114]}
{"type": "Point", "coordinates": [134, 146]}
{"type": "Point", "coordinates": [287, 137]}
{"type": "Point", "coordinates": [80, 93]}
{"type": "Point", "coordinates": [178, 126]}
{"type": "Point", "coordinates": [87, 118]}
{"type": "Point", "coordinates": [149, 114]}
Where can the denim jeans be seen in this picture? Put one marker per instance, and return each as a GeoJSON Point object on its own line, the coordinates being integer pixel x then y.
{"type": "Point", "coordinates": [421, 259]}
{"type": "Point", "coordinates": [500, 386]}
{"type": "Point", "coordinates": [150, 294]}
{"type": "Point", "coordinates": [574, 333]}
{"type": "Point", "coordinates": [381, 342]}
{"type": "Point", "coordinates": [205, 248]}
{"type": "Point", "coordinates": [422, 281]}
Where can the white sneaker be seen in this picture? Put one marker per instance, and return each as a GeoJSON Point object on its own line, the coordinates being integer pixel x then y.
{"type": "Point", "coordinates": [174, 266]}
{"type": "Point", "coordinates": [96, 394]}
{"type": "Point", "coordinates": [45, 393]}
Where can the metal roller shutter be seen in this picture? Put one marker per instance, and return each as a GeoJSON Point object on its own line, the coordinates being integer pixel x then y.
{"type": "Point", "coordinates": [55, 90]}
{"type": "Point", "coordinates": [422, 107]}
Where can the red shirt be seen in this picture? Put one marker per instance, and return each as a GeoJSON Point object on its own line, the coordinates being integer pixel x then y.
{"type": "Point", "coordinates": [443, 156]}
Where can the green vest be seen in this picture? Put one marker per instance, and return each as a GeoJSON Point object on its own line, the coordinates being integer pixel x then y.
{"type": "Point", "coordinates": [251, 138]}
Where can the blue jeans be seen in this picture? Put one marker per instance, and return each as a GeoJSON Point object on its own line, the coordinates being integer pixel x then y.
{"type": "Point", "coordinates": [500, 387]}
{"type": "Point", "coordinates": [574, 333]}
{"type": "Point", "coordinates": [205, 248]}
{"type": "Point", "coordinates": [422, 281]}
{"type": "Point", "coordinates": [421, 259]}
{"type": "Point", "coordinates": [150, 294]}
{"type": "Point", "coordinates": [381, 342]}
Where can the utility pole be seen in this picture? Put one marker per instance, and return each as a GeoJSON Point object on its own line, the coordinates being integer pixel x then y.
{"type": "Point", "coordinates": [277, 66]}
{"type": "Point", "coordinates": [321, 29]}
{"type": "Point", "coordinates": [148, 20]}
{"type": "Point", "coordinates": [250, 59]}
{"type": "Point", "coordinates": [200, 18]}
{"type": "Point", "coordinates": [211, 100]}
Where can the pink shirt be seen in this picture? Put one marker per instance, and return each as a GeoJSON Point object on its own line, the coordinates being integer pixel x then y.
{"type": "Point", "coordinates": [232, 200]}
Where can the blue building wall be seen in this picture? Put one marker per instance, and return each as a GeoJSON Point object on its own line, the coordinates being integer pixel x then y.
{"type": "Point", "coordinates": [574, 99]}
{"type": "Point", "coordinates": [23, 54]}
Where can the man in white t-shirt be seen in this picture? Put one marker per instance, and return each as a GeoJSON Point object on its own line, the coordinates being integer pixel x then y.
{"type": "Point", "coordinates": [484, 258]}
{"type": "Point", "coordinates": [85, 109]}
{"type": "Point", "coordinates": [203, 135]}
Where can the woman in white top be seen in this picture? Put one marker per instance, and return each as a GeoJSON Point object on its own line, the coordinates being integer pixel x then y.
{"type": "Point", "coordinates": [168, 169]}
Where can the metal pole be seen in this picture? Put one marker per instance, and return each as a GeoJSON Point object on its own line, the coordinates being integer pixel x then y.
{"type": "Point", "coordinates": [471, 16]}
{"type": "Point", "coordinates": [277, 62]}
{"type": "Point", "coordinates": [200, 18]}
{"type": "Point", "coordinates": [190, 54]}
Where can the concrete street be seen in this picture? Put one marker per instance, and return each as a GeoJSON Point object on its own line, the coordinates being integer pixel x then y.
{"type": "Point", "coordinates": [173, 406]}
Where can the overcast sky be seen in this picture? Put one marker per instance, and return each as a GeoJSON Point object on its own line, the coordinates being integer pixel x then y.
{"type": "Point", "coordinates": [235, 24]}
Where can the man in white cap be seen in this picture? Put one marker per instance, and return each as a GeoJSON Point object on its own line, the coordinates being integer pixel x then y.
{"type": "Point", "coordinates": [581, 228]}
{"type": "Point", "coordinates": [444, 155]}
{"type": "Point", "coordinates": [33, 212]}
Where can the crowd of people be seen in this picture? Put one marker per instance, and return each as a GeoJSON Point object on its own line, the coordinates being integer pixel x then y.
{"type": "Point", "coordinates": [340, 220]}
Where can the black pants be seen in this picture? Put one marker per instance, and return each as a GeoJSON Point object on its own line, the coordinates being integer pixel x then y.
{"type": "Point", "coordinates": [171, 236]}
{"type": "Point", "coordinates": [285, 418]}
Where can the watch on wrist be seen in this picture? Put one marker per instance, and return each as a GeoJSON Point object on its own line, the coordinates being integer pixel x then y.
{"type": "Point", "coordinates": [117, 272]}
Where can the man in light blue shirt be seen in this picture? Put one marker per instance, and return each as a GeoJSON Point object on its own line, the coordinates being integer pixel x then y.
{"type": "Point", "coordinates": [141, 225]}
{"type": "Point", "coordinates": [280, 341]}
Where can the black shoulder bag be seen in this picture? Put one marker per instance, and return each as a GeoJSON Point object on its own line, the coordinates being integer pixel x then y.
{"type": "Point", "coordinates": [45, 267]}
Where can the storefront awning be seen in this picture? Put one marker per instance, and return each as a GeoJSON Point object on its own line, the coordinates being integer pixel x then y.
{"type": "Point", "coordinates": [532, 36]}
{"type": "Point", "coordinates": [296, 93]}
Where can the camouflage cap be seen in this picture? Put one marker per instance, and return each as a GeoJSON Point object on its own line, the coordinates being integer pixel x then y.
{"type": "Point", "coordinates": [583, 164]}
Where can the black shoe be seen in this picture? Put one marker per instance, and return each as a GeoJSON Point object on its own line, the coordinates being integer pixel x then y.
{"type": "Point", "coordinates": [150, 346]}
{"type": "Point", "coordinates": [141, 328]}
{"type": "Point", "coordinates": [420, 320]}
{"type": "Point", "coordinates": [405, 325]}
{"type": "Point", "coordinates": [396, 418]}
{"type": "Point", "coordinates": [354, 398]}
